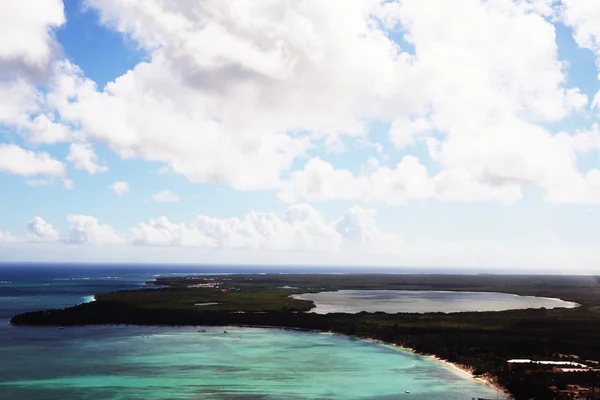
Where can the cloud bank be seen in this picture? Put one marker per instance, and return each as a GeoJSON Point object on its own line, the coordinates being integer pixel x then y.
{"type": "Point", "coordinates": [239, 93]}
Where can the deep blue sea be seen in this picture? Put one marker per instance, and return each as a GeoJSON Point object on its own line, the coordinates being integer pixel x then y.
{"type": "Point", "coordinates": [131, 362]}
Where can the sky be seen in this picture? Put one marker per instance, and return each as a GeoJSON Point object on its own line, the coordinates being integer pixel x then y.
{"type": "Point", "coordinates": [371, 132]}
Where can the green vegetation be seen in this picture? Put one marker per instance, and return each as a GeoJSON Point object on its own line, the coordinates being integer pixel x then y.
{"type": "Point", "coordinates": [481, 341]}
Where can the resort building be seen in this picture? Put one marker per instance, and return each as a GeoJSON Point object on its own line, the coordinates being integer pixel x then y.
{"type": "Point", "coordinates": [557, 366]}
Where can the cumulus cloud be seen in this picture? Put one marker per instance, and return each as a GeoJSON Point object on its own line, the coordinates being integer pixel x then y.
{"type": "Point", "coordinates": [239, 92]}
{"type": "Point", "coordinates": [485, 96]}
{"type": "Point", "coordinates": [165, 196]}
{"type": "Point", "coordinates": [404, 130]}
{"type": "Point", "coordinates": [227, 85]}
{"type": "Point", "coordinates": [301, 235]}
{"type": "Point", "coordinates": [27, 51]}
{"type": "Point", "coordinates": [482, 80]}
{"type": "Point", "coordinates": [26, 40]}
{"type": "Point", "coordinates": [82, 156]}
{"type": "Point", "coordinates": [583, 16]}
{"type": "Point", "coordinates": [302, 228]}
{"type": "Point", "coordinates": [18, 99]}
{"type": "Point", "coordinates": [41, 231]}
{"type": "Point", "coordinates": [358, 228]}
{"type": "Point", "coordinates": [119, 188]}
{"type": "Point", "coordinates": [19, 161]}
{"type": "Point", "coordinates": [22, 108]}
{"type": "Point", "coordinates": [45, 129]}
{"type": "Point", "coordinates": [162, 232]}
{"type": "Point", "coordinates": [87, 230]}
{"type": "Point", "coordinates": [319, 181]}
{"type": "Point", "coordinates": [488, 93]}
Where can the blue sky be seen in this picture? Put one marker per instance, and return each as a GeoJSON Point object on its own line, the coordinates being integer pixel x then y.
{"type": "Point", "coordinates": [304, 132]}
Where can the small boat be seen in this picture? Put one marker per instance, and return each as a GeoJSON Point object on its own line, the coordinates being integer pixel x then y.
{"type": "Point", "coordinates": [61, 327]}
{"type": "Point", "coordinates": [225, 332]}
{"type": "Point", "coordinates": [407, 391]}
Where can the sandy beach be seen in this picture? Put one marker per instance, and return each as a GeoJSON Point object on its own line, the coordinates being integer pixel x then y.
{"type": "Point", "coordinates": [490, 383]}
{"type": "Point", "coordinates": [456, 367]}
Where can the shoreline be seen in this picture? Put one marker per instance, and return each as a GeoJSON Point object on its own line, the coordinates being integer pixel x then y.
{"type": "Point", "coordinates": [460, 369]}
{"type": "Point", "coordinates": [455, 367]}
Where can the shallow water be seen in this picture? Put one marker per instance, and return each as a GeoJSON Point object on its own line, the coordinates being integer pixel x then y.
{"type": "Point", "coordinates": [181, 363]}
{"type": "Point", "coordinates": [422, 301]}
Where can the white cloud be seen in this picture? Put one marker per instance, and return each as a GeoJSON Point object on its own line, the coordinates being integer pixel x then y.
{"type": "Point", "coordinates": [301, 236]}
{"type": "Point", "coordinates": [18, 99]}
{"type": "Point", "coordinates": [408, 181]}
{"type": "Point", "coordinates": [7, 237]}
{"type": "Point", "coordinates": [494, 73]}
{"type": "Point", "coordinates": [583, 16]}
{"type": "Point", "coordinates": [404, 130]}
{"type": "Point", "coordinates": [359, 229]}
{"type": "Point", "coordinates": [45, 129]}
{"type": "Point", "coordinates": [249, 91]}
{"type": "Point", "coordinates": [19, 161]}
{"type": "Point", "coordinates": [87, 230]}
{"type": "Point", "coordinates": [119, 188]}
{"type": "Point", "coordinates": [238, 83]}
{"type": "Point", "coordinates": [21, 105]}
{"type": "Point", "coordinates": [301, 229]}
{"type": "Point", "coordinates": [68, 184]}
{"type": "Point", "coordinates": [26, 40]}
{"type": "Point", "coordinates": [162, 232]}
{"type": "Point", "coordinates": [82, 156]}
{"type": "Point", "coordinates": [484, 98]}
{"type": "Point", "coordinates": [236, 93]}
{"type": "Point", "coordinates": [165, 196]}
{"type": "Point", "coordinates": [27, 51]}
{"type": "Point", "coordinates": [41, 231]}
{"type": "Point", "coordinates": [319, 181]}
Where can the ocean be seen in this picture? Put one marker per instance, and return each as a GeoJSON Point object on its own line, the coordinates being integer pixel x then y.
{"type": "Point", "coordinates": [133, 362]}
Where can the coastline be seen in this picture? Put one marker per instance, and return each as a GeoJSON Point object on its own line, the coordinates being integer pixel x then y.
{"type": "Point", "coordinates": [487, 381]}
{"type": "Point", "coordinates": [486, 337]}
{"type": "Point", "coordinates": [460, 369]}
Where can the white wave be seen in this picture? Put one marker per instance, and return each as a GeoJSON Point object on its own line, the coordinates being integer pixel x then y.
{"type": "Point", "coordinates": [89, 299]}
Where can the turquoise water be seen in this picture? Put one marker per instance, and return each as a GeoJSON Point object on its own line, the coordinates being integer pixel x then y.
{"type": "Point", "coordinates": [423, 301]}
{"type": "Point", "coordinates": [245, 363]}
{"type": "Point", "coordinates": [129, 362]}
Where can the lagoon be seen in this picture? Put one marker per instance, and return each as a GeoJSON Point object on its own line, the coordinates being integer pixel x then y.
{"type": "Point", "coordinates": [423, 301]}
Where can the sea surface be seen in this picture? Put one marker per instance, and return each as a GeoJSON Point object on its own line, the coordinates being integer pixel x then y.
{"type": "Point", "coordinates": [132, 362]}
{"type": "Point", "coordinates": [423, 301]}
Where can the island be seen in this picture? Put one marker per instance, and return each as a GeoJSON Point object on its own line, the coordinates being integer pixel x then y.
{"type": "Point", "coordinates": [531, 353]}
